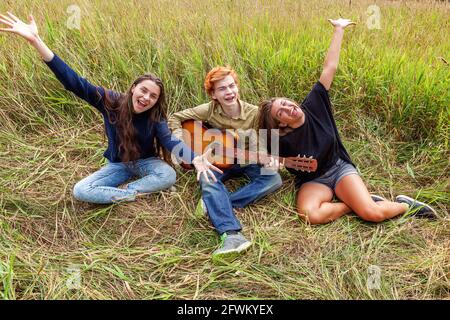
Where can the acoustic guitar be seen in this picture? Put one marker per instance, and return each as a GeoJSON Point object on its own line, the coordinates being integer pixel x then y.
{"type": "Point", "coordinates": [199, 138]}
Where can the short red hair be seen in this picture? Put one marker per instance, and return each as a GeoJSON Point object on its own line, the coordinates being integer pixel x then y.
{"type": "Point", "coordinates": [217, 74]}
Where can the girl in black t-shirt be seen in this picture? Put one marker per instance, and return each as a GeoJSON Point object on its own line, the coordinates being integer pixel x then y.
{"type": "Point", "coordinates": [310, 130]}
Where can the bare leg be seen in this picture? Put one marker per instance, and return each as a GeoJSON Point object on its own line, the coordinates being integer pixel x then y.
{"type": "Point", "coordinates": [315, 206]}
{"type": "Point", "coordinates": [353, 192]}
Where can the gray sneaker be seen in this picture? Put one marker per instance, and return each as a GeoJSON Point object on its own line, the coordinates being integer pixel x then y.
{"type": "Point", "coordinates": [377, 198]}
{"type": "Point", "coordinates": [231, 246]}
{"type": "Point", "coordinates": [418, 208]}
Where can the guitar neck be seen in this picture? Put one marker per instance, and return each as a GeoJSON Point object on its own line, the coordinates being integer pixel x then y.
{"type": "Point", "coordinates": [252, 155]}
{"type": "Point", "coordinates": [304, 163]}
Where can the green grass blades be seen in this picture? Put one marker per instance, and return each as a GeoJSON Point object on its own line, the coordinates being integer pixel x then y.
{"type": "Point", "coordinates": [391, 102]}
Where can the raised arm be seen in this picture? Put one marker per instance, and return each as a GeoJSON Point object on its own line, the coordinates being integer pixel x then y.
{"type": "Point", "coordinates": [332, 59]}
{"type": "Point", "coordinates": [68, 77]}
{"type": "Point", "coordinates": [28, 32]}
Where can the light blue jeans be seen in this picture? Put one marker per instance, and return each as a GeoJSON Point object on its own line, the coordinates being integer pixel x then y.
{"type": "Point", "coordinates": [101, 186]}
{"type": "Point", "coordinates": [220, 202]}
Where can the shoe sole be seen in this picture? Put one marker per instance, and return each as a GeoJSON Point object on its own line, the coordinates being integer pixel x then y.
{"type": "Point", "coordinates": [417, 203]}
{"type": "Point", "coordinates": [377, 198]}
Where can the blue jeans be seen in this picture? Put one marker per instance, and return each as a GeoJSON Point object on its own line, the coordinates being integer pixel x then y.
{"type": "Point", "coordinates": [101, 186]}
{"type": "Point", "coordinates": [220, 203]}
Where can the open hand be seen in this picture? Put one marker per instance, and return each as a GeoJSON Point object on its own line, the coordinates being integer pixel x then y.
{"type": "Point", "coordinates": [341, 23]}
{"type": "Point", "coordinates": [17, 26]}
{"type": "Point", "coordinates": [204, 167]}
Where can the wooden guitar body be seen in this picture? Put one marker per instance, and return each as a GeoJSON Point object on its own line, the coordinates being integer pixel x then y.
{"type": "Point", "coordinates": [224, 142]}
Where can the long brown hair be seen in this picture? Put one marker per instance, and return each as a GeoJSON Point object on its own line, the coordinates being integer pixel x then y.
{"type": "Point", "coordinates": [268, 122]}
{"type": "Point", "coordinates": [120, 113]}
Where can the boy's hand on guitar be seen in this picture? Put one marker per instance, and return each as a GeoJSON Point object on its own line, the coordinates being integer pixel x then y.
{"type": "Point", "coordinates": [274, 164]}
{"type": "Point", "coordinates": [204, 167]}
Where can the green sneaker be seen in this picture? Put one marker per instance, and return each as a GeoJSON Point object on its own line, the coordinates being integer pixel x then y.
{"type": "Point", "coordinates": [231, 246]}
{"type": "Point", "coordinates": [200, 210]}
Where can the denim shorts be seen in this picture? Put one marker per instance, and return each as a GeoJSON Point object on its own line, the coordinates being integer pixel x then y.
{"type": "Point", "coordinates": [339, 170]}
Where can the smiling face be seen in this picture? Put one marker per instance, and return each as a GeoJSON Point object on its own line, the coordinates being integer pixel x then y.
{"type": "Point", "coordinates": [287, 112]}
{"type": "Point", "coordinates": [145, 94]}
{"type": "Point", "coordinates": [226, 92]}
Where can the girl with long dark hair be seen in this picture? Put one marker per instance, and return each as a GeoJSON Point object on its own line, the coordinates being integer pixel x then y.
{"type": "Point", "coordinates": [135, 125]}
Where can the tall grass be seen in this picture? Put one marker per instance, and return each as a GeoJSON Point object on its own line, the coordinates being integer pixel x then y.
{"type": "Point", "coordinates": [391, 99]}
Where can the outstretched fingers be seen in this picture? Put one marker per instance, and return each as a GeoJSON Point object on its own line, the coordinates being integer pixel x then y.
{"type": "Point", "coordinates": [6, 23]}
{"type": "Point", "coordinates": [341, 22]}
{"type": "Point", "coordinates": [205, 175]}
{"type": "Point", "coordinates": [13, 17]}
{"type": "Point", "coordinates": [6, 20]}
{"type": "Point", "coordinates": [31, 20]}
{"type": "Point", "coordinates": [213, 167]}
{"type": "Point", "coordinates": [213, 176]}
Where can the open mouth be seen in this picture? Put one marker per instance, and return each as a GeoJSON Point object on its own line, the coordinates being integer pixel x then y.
{"type": "Point", "coordinates": [294, 112]}
{"type": "Point", "coordinates": [230, 99]}
{"type": "Point", "coordinates": [141, 104]}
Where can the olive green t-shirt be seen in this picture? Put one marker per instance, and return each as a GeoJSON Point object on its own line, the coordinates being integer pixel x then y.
{"type": "Point", "coordinates": [245, 124]}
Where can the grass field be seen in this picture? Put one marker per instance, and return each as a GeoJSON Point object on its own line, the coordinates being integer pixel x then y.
{"type": "Point", "coordinates": [391, 100]}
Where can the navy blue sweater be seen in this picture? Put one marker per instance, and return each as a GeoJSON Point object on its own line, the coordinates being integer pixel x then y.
{"type": "Point", "coordinates": [146, 130]}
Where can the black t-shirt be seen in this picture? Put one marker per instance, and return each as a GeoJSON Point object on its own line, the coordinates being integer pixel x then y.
{"type": "Point", "coordinates": [317, 137]}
